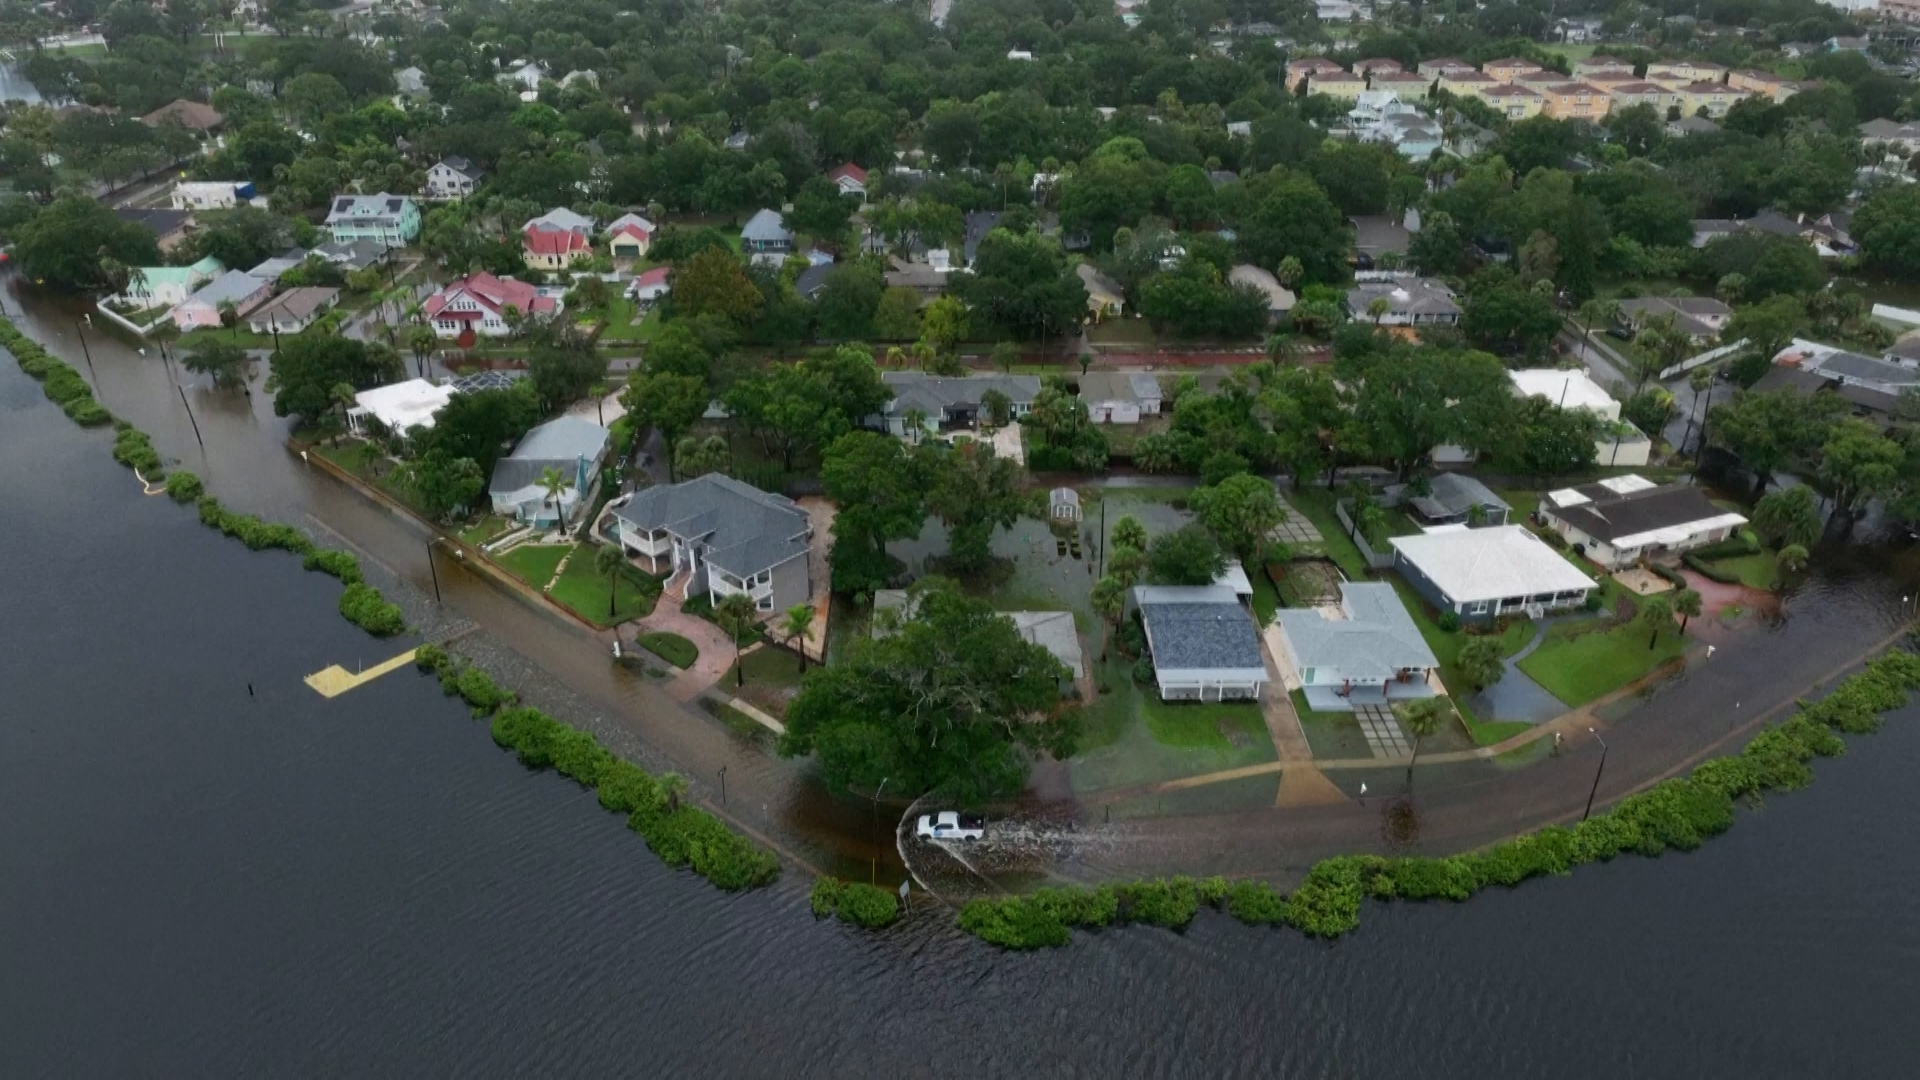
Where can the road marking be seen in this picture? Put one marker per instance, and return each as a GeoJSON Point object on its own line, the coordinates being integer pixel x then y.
{"type": "Point", "coordinates": [336, 680]}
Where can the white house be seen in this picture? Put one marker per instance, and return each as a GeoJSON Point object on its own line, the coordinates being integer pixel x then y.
{"type": "Point", "coordinates": [398, 407]}
{"type": "Point", "coordinates": [629, 236]}
{"type": "Point", "coordinates": [1204, 644]}
{"type": "Point", "coordinates": [453, 178]}
{"type": "Point", "coordinates": [166, 286]}
{"type": "Point", "coordinates": [1120, 397]}
{"type": "Point", "coordinates": [1368, 653]}
{"type": "Point", "coordinates": [723, 538]}
{"type": "Point", "coordinates": [210, 195]}
{"type": "Point", "coordinates": [851, 179]}
{"type": "Point", "coordinates": [235, 289]}
{"type": "Point", "coordinates": [1620, 443]}
{"type": "Point", "coordinates": [572, 447]}
{"type": "Point", "coordinates": [528, 76]}
{"type": "Point", "coordinates": [650, 285]}
{"type": "Point", "coordinates": [949, 401]}
{"type": "Point", "coordinates": [1619, 521]}
{"type": "Point", "coordinates": [1480, 574]}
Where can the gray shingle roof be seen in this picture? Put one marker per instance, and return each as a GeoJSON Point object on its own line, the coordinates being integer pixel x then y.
{"type": "Point", "coordinates": [1191, 631]}
{"type": "Point", "coordinates": [1377, 639]}
{"type": "Point", "coordinates": [556, 444]}
{"type": "Point", "coordinates": [745, 529]}
{"type": "Point", "coordinates": [766, 226]}
{"type": "Point", "coordinates": [1456, 493]}
{"type": "Point", "coordinates": [933, 393]}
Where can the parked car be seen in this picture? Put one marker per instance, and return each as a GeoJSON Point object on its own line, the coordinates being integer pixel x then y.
{"type": "Point", "coordinates": [948, 825]}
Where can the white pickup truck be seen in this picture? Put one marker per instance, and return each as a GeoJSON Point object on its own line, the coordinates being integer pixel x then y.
{"type": "Point", "coordinates": [948, 825]}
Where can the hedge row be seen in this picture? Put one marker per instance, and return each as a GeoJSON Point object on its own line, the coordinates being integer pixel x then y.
{"type": "Point", "coordinates": [681, 835]}
{"type": "Point", "coordinates": [1678, 814]}
{"type": "Point", "coordinates": [1709, 571]}
{"type": "Point", "coordinates": [861, 905]}
{"type": "Point", "coordinates": [1739, 544]}
{"type": "Point", "coordinates": [361, 603]}
{"type": "Point", "coordinates": [60, 382]}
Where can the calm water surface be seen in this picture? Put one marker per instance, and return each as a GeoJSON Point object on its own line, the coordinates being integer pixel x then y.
{"type": "Point", "coordinates": [196, 882]}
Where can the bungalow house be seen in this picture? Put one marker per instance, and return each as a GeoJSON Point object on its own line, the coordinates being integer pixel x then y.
{"type": "Point", "coordinates": [192, 115]}
{"type": "Point", "coordinates": [571, 447]}
{"type": "Point", "coordinates": [766, 239]}
{"type": "Point", "coordinates": [851, 179]}
{"type": "Point", "coordinates": [650, 285]}
{"type": "Point", "coordinates": [394, 220]}
{"type": "Point", "coordinates": [629, 237]}
{"type": "Point", "coordinates": [1410, 301]}
{"type": "Point", "coordinates": [1858, 369]}
{"type": "Point", "coordinates": [1688, 126]}
{"type": "Point", "coordinates": [1699, 317]}
{"type": "Point", "coordinates": [1619, 521]}
{"type": "Point", "coordinates": [1105, 297]}
{"type": "Point", "coordinates": [1458, 499]}
{"type": "Point", "coordinates": [1280, 299]}
{"type": "Point", "coordinates": [723, 538]}
{"type": "Point", "coordinates": [169, 227]}
{"type": "Point", "coordinates": [1053, 631]}
{"type": "Point", "coordinates": [453, 178]}
{"type": "Point", "coordinates": [812, 281]}
{"type": "Point", "coordinates": [554, 249]}
{"type": "Point", "coordinates": [946, 401]}
{"type": "Point", "coordinates": [928, 279]}
{"type": "Point", "coordinates": [1893, 134]}
{"type": "Point", "coordinates": [1707, 230]}
{"type": "Point", "coordinates": [1120, 397]}
{"type": "Point", "coordinates": [560, 219]}
{"type": "Point", "coordinates": [354, 254]}
{"type": "Point", "coordinates": [235, 289]}
{"type": "Point", "coordinates": [1620, 443]}
{"type": "Point", "coordinates": [1204, 644]}
{"type": "Point", "coordinates": [165, 286]}
{"type": "Point", "coordinates": [1876, 406]}
{"type": "Point", "coordinates": [1826, 234]}
{"type": "Point", "coordinates": [478, 303]}
{"type": "Point", "coordinates": [1480, 574]}
{"type": "Point", "coordinates": [526, 77]}
{"type": "Point", "coordinates": [412, 83]}
{"type": "Point", "coordinates": [292, 311]}
{"type": "Point", "coordinates": [210, 194]}
{"type": "Point", "coordinates": [398, 407]}
{"type": "Point", "coordinates": [1370, 653]}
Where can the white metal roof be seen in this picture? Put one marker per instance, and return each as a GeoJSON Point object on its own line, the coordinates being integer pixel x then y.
{"type": "Point", "coordinates": [1679, 534]}
{"type": "Point", "coordinates": [1619, 485]}
{"type": "Point", "coordinates": [404, 405]}
{"type": "Point", "coordinates": [1567, 389]}
{"type": "Point", "coordinates": [1490, 564]}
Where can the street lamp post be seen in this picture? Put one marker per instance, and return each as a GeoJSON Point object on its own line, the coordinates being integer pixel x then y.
{"type": "Point", "coordinates": [723, 785]}
{"type": "Point", "coordinates": [876, 796]}
{"type": "Point", "coordinates": [88, 353]}
{"type": "Point", "coordinates": [435, 571]}
{"type": "Point", "coordinates": [1596, 774]}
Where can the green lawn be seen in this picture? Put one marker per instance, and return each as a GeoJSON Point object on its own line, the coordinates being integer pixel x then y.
{"type": "Point", "coordinates": [1446, 647]}
{"type": "Point", "coordinates": [772, 678]}
{"type": "Point", "coordinates": [376, 469]}
{"type": "Point", "coordinates": [670, 647]}
{"type": "Point", "coordinates": [1332, 735]}
{"type": "Point", "coordinates": [1201, 725]}
{"type": "Point", "coordinates": [486, 528]}
{"type": "Point", "coordinates": [1266, 598]}
{"type": "Point", "coordinates": [617, 318]}
{"type": "Point", "coordinates": [1122, 331]}
{"type": "Point", "coordinates": [586, 591]}
{"type": "Point", "coordinates": [534, 563]}
{"type": "Point", "coordinates": [1133, 738]}
{"type": "Point", "coordinates": [1758, 571]}
{"type": "Point", "coordinates": [186, 342]}
{"type": "Point", "coordinates": [1316, 505]}
{"type": "Point", "coordinates": [1577, 666]}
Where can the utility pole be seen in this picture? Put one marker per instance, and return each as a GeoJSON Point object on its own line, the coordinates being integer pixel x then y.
{"type": "Point", "coordinates": [435, 571]}
{"type": "Point", "coordinates": [190, 419]}
{"type": "Point", "coordinates": [88, 353]}
{"type": "Point", "coordinates": [1596, 774]}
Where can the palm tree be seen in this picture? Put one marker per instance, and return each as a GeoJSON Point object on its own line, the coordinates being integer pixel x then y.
{"type": "Point", "coordinates": [916, 424]}
{"type": "Point", "coordinates": [794, 628]}
{"type": "Point", "coordinates": [896, 357]}
{"type": "Point", "coordinates": [1594, 312]}
{"type": "Point", "coordinates": [423, 341]}
{"type": "Point", "coordinates": [1128, 532]}
{"type": "Point", "coordinates": [1657, 611]}
{"type": "Point", "coordinates": [735, 613]}
{"type": "Point", "coordinates": [342, 399]}
{"type": "Point", "coordinates": [1421, 719]}
{"type": "Point", "coordinates": [1109, 601]}
{"type": "Point", "coordinates": [230, 317]}
{"type": "Point", "coordinates": [554, 483]}
{"type": "Point", "coordinates": [1378, 308]}
{"type": "Point", "coordinates": [1687, 602]}
{"type": "Point", "coordinates": [1290, 272]}
{"type": "Point", "coordinates": [608, 560]}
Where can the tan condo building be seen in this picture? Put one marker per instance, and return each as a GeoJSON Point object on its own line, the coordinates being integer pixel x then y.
{"type": "Point", "coordinates": [1514, 102]}
{"type": "Point", "coordinates": [1338, 84]}
{"type": "Point", "coordinates": [1674, 74]}
{"type": "Point", "coordinates": [1510, 69]}
{"type": "Point", "coordinates": [1764, 83]}
{"type": "Point", "coordinates": [1576, 101]}
{"type": "Point", "coordinates": [1600, 65]}
{"type": "Point", "coordinates": [1715, 98]}
{"type": "Point", "coordinates": [1443, 65]}
{"type": "Point", "coordinates": [1308, 67]}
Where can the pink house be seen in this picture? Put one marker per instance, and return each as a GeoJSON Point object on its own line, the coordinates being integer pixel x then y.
{"type": "Point", "coordinates": [235, 288]}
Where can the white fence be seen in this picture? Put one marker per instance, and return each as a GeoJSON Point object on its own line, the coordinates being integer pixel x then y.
{"type": "Point", "coordinates": [1707, 357]}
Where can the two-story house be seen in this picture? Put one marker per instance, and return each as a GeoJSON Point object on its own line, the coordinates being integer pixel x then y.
{"type": "Point", "coordinates": [569, 446]}
{"type": "Point", "coordinates": [393, 220]}
{"type": "Point", "coordinates": [1576, 101]}
{"type": "Point", "coordinates": [722, 538]}
{"type": "Point", "coordinates": [477, 305]}
{"type": "Point", "coordinates": [766, 239]}
{"type": "Point", "coordinates": [453, 178]}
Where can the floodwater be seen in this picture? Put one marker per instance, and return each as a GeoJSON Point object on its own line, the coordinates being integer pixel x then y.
{"type": "Point", "coordinates": [197, 878]}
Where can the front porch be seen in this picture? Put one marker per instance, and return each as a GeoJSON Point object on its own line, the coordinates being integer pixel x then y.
{"type": "Point", "coordinates": [1328, 697]}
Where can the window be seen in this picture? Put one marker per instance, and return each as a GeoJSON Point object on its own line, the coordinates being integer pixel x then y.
{"type": "Point", "coordinates": [1478, 607]}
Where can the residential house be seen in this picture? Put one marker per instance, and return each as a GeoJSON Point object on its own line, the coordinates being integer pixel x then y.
{"type": "Point", "coordinates": [1619, 443]}
{"type": "Point", "coordinates": [412, 83]}
{"type": "Point", "coordinates": [948, 401]}
{"type": "Point", "coordinates": [210, 195]}
{"type": "Point", "coordinates": [978, 223]}
{"type": "Point", "coordinates": [1619, 521]}
{"type": "Point", "coordinates": [1852, 369]}
{"type": "Point", "coordinates": [1379, 65]}
{"type": "Point", "coordinates": [1367, 652]}
{"type": "Point", "coordinates": [453, 178]}
{"type": "Point", "coordinates": [1688, 126]}
{"type": "Point", "coordinates": [1053, 631]}
{"type": "Point", "coordinates": [1827, 234]}
{"type": "Point", "coordinates": [1514, 102]}
{"type": "Point", "coordinates": [629, 237]}
{"type": "Point", "coordinates": [527, 76]}
{"type": "Point", "coordinates": [723, 538]}
{"type": "Point", "coordinates": [1458, 499]}
{"type": "Point", "coordinates": [397, 407]}
{"type": "Point", "coordinates": [1105, 297]}
{"type": "Point", "coordinates": [1906, 11]}
{"type": "Point", "coordinates": [1510, 69]}
{"type": "Point", "coordinates": [1240, 129]}
{"type": "Point", "coordinates": [1902, 135]}
{"type": "Point", "coordinates": [235, 289]}
{"type": "Point", "coordinates": [766, 239]}
{"type": "Point", "coordinates": [1481, 574]}
{"type": "Point", "coordinates": [1375, 235]}
{"type": "Point", "coordinates": [1204, 644]}
{"type": "Point", "coordinates": [1600, 65]}
{"type": "Point", "coordinates": [1707, 230]}
{"type": "Point", "coordinates": [477, 305]}
{"type": "Point", "coordinates": [1764, 83]}
{"type": "Point", "coordinates": [561, 219]}
{"type": "Point", "coordinates": [1023, 55]}
{"type": "Point", "coordinates": [1337, 11]}
{"type": "Point", "coordinates": [292, 311]}
{"type": "Point", "coordinates": [1443, 65]}
{"type": "Point", "coordinates": [1576, 101]}
{"type": "Point", "coordinates": [571, 447]}
{"type": "Point", "coordinates": [394, 220]}
{"type": "Point", "coordinates": [1280, 299]}
{"type": "Point", "coordinates": [576, 78]}
{"type": "Point", "coordinates": [273, 266]}
{"type": "Point", "coordinates": [1120, 397]}
{"type": "Point", "coordinates": [1407, 85]}
{"type": "Point", "coordinates": [169, 227]}
{"type": "Point", "coordinates": [1699, 317]}
{"type": "Point", "coordinates": [1467, 83]}
{"type": "Point", "coordinates": [1337, 84]}
{"type": "Point", "coordinates": [1905, 351]}
{"type": "Point", "coordinates": [192, 115]}
{"type": "Point", "coordinates": [353, 255]}
{"type": "Point", "coordinates": [1626, 95]}
{"type": "Point", "coordinates": [165, 286]}
{"type": "Point", "coordinates": [1713, 97]}
{"type": "Point", "coordinates": [1411, 301]}
{"type": "Point", "coordinates": [1415, 135]}
{"type": "Point", "coordinates": [929, 278]}
{"type": "Point", "coordinates": [554, 249]}
{"type": "Point", "coordinates": [812, 281]}
{"type": "Point", "coordinates": [1675, 74]}
{"type": "Point", "coordinates": [1302, 70]}
{"type": "Point", "coordinates": [650, 285]}
{"type": "Point", "coordinates": [1877, 406]}
{"type": "Point", "coordinates": [851, 179]}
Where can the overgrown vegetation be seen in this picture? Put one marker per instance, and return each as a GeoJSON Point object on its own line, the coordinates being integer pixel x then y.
{"type": "Point", "coordinates": [861, 905]}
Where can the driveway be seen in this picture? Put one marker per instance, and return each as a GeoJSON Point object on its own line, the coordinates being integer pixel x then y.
{"type": "Point", "coordinates": [716, 652]}
{"type": "Point", "coordinates": [1516, 696]}
{"type": "Point", "coordinates": [820, 513]}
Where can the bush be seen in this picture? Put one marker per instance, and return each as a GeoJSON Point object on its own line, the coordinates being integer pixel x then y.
{"type": "Point", "coordinates": [132, 448]}
{"type": "Point", "coordinates": [861, 905]}
{"type": "Point", "coordinates": [366, 608]}
{"type": "Point", "coordinates": [87, 412]}
{"type": "Point", "coordinates": [432, 658]}
{"type": "Point", "coordinates": [1708, 570]}
{"type": "Point", "coordinates": [1448, 621]}
{"type": "Point", "coordinates": [478, 690]}
{"type": "Point", "coordinates": [1013, 924]}
{"type": "Point", "coordinates": [184, 487]}
{"type": "Point", "coordinates": [1143, 671]}
{"type": "Point", "coordinates": [626, 787]}
{"type": "Point", "coordinates": [1594, 602]}
{"type": "Point", "coordinates": [340, 564]}
{"type": "Point", "coordinates": [1256, 903]}
{"type": "Point", "coordinates": [1741, 543]}
{"type": "Point", "coordinates": [695, 838]}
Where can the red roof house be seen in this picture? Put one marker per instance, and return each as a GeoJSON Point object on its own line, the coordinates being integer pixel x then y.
{"type": "Point", "coordinates": [554, 249]}
{"type": "Point", "coordinates": [476, 303]}
{"type": "Point", "coordinates": [651, 285]}
{"type": "Point", "coordinates": [851, 179]}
